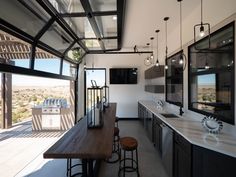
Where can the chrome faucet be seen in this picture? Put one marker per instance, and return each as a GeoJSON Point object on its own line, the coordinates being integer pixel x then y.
{"type": "Point", "coordinates": [181, 110]}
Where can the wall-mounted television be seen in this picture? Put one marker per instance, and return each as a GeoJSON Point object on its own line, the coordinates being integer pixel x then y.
{"type": "Point", "coordinates": [123, 75]}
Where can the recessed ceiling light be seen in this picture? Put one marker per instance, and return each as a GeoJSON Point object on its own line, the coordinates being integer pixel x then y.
{"type": "Point", "coordinates": [114, 17]}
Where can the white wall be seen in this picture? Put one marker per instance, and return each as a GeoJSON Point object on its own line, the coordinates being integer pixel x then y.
{"type": "Point", "coordinates": [125, 95]}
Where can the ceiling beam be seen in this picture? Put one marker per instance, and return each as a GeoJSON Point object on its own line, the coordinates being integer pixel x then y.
{"type": "Point", "coordinates": [83, 14]}
{"type": "Point", "coordinates": [120, 20]}
{"type": "Point", "coordinates": [117, 52]}
{"type": "Point", "coordinates": [92, 21]}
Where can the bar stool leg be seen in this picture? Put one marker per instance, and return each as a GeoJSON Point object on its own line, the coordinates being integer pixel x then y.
{"type": "Point", "coordinates": [124, 163]}
{"type": "Point", "coordinates": [132, 158]}
{"type": "Point", "coordinates": [137, 162]}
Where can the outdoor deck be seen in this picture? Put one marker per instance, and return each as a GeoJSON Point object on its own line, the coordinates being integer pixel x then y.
{"type": "Point", "coordinates": [20, 147]}
{"type": "Point", "coordinates": [21, 152]}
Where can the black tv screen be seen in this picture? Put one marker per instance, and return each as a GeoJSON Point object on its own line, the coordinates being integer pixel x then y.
{"type": "Point", "coordinates": [123, 75]}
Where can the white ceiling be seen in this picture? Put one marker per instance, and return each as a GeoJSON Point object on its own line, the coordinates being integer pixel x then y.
{"type": "Point", "coordinates": [143, 17]}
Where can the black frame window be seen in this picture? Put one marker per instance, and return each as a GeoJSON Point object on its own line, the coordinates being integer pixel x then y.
{"type": "Point", "coordinates": [174, 80]}
{"type": "Point", "coordinates": [211, 75]}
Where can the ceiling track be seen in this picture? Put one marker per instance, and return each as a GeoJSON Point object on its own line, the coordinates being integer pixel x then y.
{"type": "Point", "coordinates": [117, 52]}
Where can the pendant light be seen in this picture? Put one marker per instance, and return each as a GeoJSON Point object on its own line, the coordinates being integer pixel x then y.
{"type": "Point", "coordinates": [202, 27]}
{"type": "Point", "coordinates": [152, 56]}
{"type": "Point", "coordinates": [148, 60]}
{"type": "Point", "coordinates": [166, 19]}
{"type": "Point", "coordinates": [157, 61]}
{"type": "Point", "coordinates": [183, 58]}
{"type": "Point", "coordinates": [206, 64]}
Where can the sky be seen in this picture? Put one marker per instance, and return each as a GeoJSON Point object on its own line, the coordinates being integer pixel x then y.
{"type": "Point", "coordinates": [51, 65]}
{"type": "Point", "coordinates": [208, 79]}
{"type": "Point", "coordinates": [97, 75]}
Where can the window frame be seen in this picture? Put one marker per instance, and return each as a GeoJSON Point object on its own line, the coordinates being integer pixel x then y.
{"type": "Point", "coordinates": [214, 71]}
{"type": "Point", "coordinates": [171, 77]}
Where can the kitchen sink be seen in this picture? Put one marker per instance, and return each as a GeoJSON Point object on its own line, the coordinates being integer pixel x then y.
{"type": "Point", "coordinates": [168, 115]}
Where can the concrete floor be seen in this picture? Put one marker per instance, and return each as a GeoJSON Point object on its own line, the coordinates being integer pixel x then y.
{"type": "Point", "coordinates": [29, 162]}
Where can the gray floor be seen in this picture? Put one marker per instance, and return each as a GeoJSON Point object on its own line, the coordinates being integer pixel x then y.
{"type": "Point", "coordinates": [149, 160]}
{"type": "Point", "coordinates": [21, 153]}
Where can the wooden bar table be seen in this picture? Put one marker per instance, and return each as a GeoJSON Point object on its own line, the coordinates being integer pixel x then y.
{"type": "Point", "coordinates": [87, 144]}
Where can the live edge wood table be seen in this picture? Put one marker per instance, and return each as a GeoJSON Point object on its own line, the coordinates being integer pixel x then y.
{"type": "Point", "coordinates": [90, 145]}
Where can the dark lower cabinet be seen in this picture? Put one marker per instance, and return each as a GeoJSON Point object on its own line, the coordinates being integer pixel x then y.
{"type": "Point", "coordinates": [157, 133]}
{"type": "Point", "coordinates": [141, 113]}
{"type": "Point", "coordinates": [150, 126]}
{"type": "Point", "coordinates": [189, 160]}
{"type": "Point", "coordinates": [207, 163]}
{"type": "Point", "coordinates": [182, 157]}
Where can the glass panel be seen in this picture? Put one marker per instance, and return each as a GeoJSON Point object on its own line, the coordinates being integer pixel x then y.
{"type": "Point", "coordinates": [212, 90]}
{"type": "Point", "coordinates": [110, 43]}
{"type": "Point", "coordinates": [99, 75]}
{"type": "Point", "coordinates": [103, 5]}
{"type": "Point", "coordinates": [174, 88]}
{"type": "Point", "coordinates": [81, 27]}
{"type": "Point", "coordinates": [29, 18]}
{"type": "Point", "coordinates": [47, 62]}
{"type": "Point", "coordinates": [107, 25]}
{"type": "Point", "coordinates": [76, 52]}
{"type": "Point", "coordinates": [67, 6]}
{"type": "Point", "coordinates": [92, 44]}
{"type": "Point", "coordinates": [57, 38]}
{"type": "Point", "coordinates": [221, 54]}
{"type": "Point", "coordinates": [14, 51]}
{"type": "Point", "coordinates": [29, 93]}
{"type": "Point", "coordinates": [174, 68]}
{"type": "Point", "coordinates": [69, 69]}
{"type": "Point", "coordinates": [212, 93]}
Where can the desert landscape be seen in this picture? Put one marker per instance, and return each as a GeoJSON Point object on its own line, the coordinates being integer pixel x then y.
{"type": "Point", "coordinates": [24, 98]}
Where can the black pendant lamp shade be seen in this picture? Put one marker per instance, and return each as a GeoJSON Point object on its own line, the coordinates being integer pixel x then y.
{"type": "Point", "coordinates": [201, 30]}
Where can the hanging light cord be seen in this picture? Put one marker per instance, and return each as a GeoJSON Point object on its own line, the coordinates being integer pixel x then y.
{"type": "Point", "coordinates": [181, 42]}
{"type": "Point", "coordinates": [201, 12]}
{"type": "Point", "coordinates": [157, 44]}
{"type": "Point", "coordinates": [166, 40]}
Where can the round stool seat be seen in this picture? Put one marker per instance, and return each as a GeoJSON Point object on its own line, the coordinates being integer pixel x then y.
{"type": "Point", "coordinates": [128, 143]}
{"type": "Point", "coordinates": [116, 131]}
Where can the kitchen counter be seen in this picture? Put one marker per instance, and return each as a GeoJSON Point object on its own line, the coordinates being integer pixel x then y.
{"type": "Point", "coordinates": [192, 130]}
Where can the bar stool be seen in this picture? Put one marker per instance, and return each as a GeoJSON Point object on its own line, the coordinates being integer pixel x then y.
{"type": "Point", "coordinates": [71, 166]}
{"type": "Point", "coordinates": [116, 121]}
{"type": "Point", "coordinates": [115, 147]}
{"type": "Point", "coordinates": [128, 144]}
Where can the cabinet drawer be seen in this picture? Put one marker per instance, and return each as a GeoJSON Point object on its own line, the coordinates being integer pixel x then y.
{"type": "Point", "coordinates": [183, 143]}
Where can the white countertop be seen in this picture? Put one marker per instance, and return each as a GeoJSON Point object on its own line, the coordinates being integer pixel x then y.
{"type": "Point", "coordinates": [192, 130]}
